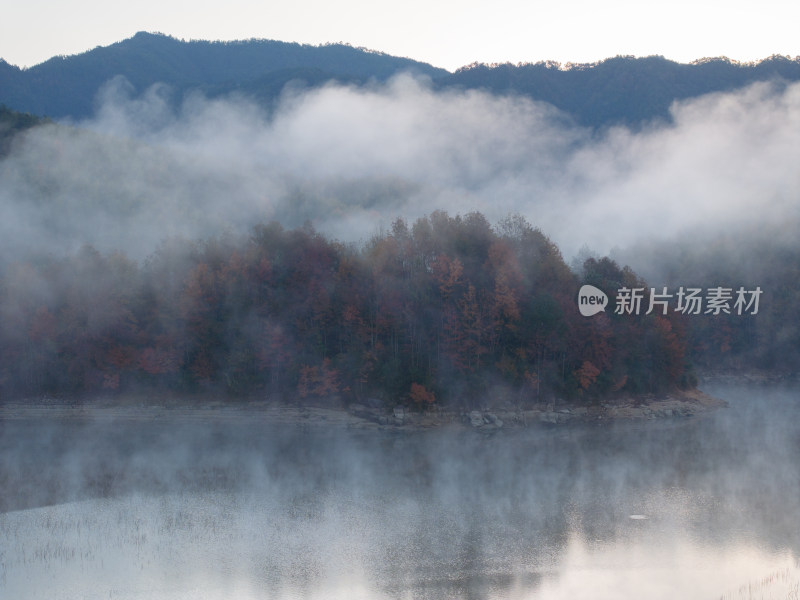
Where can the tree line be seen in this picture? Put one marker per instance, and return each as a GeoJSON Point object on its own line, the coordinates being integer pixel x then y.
{"type": "Point", "coordinates": [447, 310]}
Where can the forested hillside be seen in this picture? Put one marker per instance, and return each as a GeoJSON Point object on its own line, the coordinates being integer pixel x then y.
{"type": "Point", "coordinates": [622, 90]}
{"type": "Point", "coordinates": [66, 86]}
{"type": "Point", "coordinates": [449, 310]}
{"type": "Point", "coordinates": [767, 257]}
{"type": "Point", "coordinates": [619, 90]}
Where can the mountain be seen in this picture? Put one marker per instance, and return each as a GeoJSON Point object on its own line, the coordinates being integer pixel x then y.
{"type": "Point", "coordinates": [624, 89]}
{"type": "Point", "coordinates": [619, 90]}
{"type": "Point", "coordinates": [66, 86]}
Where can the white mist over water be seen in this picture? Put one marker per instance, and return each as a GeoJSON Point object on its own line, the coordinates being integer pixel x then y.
{"type": "Point", "coordinates": [196, 510]}
{"type": "Point", "coordinates": [212, 547]}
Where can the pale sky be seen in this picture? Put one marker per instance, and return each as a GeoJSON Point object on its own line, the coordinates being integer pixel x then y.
{"type": "Point", "coordinates": [445, 34]}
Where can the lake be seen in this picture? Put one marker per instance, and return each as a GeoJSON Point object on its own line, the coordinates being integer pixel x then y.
{"type": "Point", "coordinates": [704, 508]}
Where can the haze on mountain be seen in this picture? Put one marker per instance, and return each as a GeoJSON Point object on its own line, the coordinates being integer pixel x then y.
{"type": "Point", "coordinates": [687, 173]}
{"type": "Point", "coordinates": [619, 90]}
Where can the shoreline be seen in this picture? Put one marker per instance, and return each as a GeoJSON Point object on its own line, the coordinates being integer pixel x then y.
{"type": "Point", "coordinates": [676, 405]}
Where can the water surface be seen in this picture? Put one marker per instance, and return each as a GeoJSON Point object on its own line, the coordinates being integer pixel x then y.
{"type": "Point", "coordinates": [705, 508]}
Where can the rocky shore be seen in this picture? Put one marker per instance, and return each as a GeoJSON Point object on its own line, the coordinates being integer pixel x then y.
{"type": "Point", "coordinates": [683, 404]}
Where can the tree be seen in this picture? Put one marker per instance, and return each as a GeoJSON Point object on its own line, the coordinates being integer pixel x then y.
{"type": "Point", "coordinates": [318, 381]}
{"type": "Point", "coordinates": [587, 375]}
{"type": "Point", "coordinates": [420, 396]}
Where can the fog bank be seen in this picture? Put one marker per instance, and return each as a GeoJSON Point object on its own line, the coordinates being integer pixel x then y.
{"type": "Point", "coordinates": [350, 160]}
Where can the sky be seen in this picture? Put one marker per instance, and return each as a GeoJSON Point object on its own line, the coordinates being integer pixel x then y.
{"type": "Point", "coordinates": [445, 34]}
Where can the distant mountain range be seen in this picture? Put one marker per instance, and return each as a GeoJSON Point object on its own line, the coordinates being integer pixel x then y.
{"type": "Point", "coordinates": [67, 86]}
{"type": "Point", "coordinates": [620, 90]}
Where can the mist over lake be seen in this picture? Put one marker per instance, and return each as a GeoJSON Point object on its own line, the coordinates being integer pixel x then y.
{"type": "Point", "coordinates": [689, 508]}
{"type": "Point", "coordinates": [293, 322]}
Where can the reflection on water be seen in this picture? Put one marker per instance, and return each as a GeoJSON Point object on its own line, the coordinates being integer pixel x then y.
{"type": "Point", "coordinates": [669, 567]}
{"type": "Point", "coordinates": [702, 509]}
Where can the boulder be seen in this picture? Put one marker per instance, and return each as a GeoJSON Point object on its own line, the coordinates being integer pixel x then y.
{"type": "Point", "coordinates": [494, 419]}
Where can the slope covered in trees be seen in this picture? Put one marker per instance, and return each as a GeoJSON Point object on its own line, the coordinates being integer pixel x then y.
{"type": "Point", "coordinates": [67, 86]}
{"type": "Point", "coordinates": [620, 90]}
{"type": "Point", "coordinates": [449, 310]}
{"type": "Point", "coordinates": [748, 256]}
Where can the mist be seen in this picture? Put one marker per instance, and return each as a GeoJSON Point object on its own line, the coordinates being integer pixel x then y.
{"type": "Point", "coordinates": [349, 160]}
{"type": "Point", "coordinates": [220, 503]}
{"type": "Point", "coordinates": [177, 507]}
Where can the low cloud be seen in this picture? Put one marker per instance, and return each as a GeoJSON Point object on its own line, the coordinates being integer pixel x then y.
{"type": "Point", "coordinates": [351, 159]}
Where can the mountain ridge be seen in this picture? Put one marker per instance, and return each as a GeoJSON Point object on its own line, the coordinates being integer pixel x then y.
{"type": "Point", "coordinates": [621, 90]}
{"type": "Point", "coordinates": [65, 86]}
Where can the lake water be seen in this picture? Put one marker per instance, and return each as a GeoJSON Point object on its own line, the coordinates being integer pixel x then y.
{"type": "Point", "coordinates": [706, 508]}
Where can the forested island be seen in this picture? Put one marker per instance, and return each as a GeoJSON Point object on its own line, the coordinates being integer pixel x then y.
{"type": "Point", "coordinates": [446, 311]}
{"type": "Point", "coordinates": [435, 314]}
